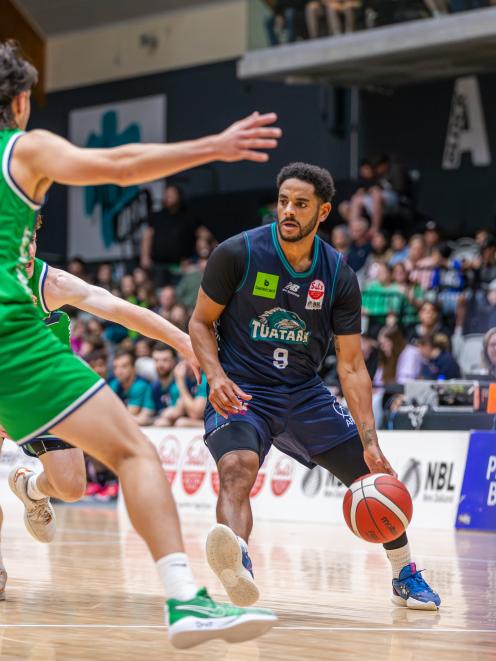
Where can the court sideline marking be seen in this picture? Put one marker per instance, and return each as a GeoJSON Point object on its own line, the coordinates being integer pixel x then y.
{"type": "Point", "coordinates": [295, 628]}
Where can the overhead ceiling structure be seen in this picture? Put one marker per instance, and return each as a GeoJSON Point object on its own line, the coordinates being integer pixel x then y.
{"type": "Point", "coordinates": [57, 16]}
{"type": "Point", "coordinates": [401, 54]}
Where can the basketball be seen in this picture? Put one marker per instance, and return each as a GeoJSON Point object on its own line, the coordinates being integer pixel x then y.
{"type": "Point", "coordinates": [377, 508]}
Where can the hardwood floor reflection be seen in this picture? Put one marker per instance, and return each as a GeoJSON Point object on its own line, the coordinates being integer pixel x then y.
{"type": "Point", "coordinates": [94, 594]}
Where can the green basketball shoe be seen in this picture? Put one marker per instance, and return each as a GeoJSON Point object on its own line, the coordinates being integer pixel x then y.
{"type": "Point", "coordinates": [201, 618]}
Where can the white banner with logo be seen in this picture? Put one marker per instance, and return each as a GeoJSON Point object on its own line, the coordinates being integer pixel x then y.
{"type": "Point", "coordinates": [105, 222]}
{"type": "Point", "coordinates": [431, 464]}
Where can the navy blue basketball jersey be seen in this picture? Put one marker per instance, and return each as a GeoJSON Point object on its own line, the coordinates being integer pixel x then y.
{"type": "Point", "coordinates": [276, 328]}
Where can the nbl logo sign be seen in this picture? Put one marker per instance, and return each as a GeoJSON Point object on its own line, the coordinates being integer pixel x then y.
{"type": "Point", "coordinates": [434, 482]}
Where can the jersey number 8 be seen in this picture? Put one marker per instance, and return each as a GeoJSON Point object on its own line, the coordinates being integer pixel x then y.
{"type": "Point", "coordinates": [280, 358]}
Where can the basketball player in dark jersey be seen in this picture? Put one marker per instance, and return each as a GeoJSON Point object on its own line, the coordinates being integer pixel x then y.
{"type": "Point", "coordinates": [270, 302]}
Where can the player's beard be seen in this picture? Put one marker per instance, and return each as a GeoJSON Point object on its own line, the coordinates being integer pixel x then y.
{"type": "Point", "coordinates": [305, 230]}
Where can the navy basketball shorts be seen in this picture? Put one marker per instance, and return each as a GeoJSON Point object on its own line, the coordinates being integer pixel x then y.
{"type": "Point", "coordinates": [301, 421]}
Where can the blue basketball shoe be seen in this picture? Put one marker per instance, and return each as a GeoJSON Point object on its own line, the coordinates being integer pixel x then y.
{"type": "Point", "coordinates": [230, 561]}
{"type": "Point", "coordinates": [412, 591]}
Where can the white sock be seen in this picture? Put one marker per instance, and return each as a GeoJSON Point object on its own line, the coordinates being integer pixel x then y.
{"type": "Point", "coordinates": [399, 558]}
{"type": "Point", "coordinates": [177, 579]}
{"type": "Point", "coordinates": [242, 543]}
{"type": "Point", "coordinates": [33, 492]}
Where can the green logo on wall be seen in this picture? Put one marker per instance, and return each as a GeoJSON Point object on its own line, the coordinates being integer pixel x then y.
{"type": "Point", "coordinates": [111, 199]}
{"type": "Point", "coordinates": [266, 285]}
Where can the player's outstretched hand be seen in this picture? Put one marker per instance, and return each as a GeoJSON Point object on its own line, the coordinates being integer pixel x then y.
{"type": "Point", "coordinates": [248, 138]}
{"type": "Point", "coordinates": [376, 461]}
{"type": "Point", "coordinates": [226, 397]}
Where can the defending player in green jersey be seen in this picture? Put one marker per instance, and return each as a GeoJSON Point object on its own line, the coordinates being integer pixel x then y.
{"type": "Point", "coordinates": [66, 397]}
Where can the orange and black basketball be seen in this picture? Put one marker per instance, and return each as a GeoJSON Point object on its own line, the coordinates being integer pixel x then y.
{"type": "Point", "coordinates": [377, 508]}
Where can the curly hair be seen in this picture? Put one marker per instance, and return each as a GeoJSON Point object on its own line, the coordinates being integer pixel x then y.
{"type": "Point", "coordinates": [16, 75]}
{"type": "Point", "coordinates": [320, 178]}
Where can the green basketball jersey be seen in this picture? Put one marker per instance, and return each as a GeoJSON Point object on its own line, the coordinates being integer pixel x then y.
{"type": "Point", "coordinates": [41, 382]}
{"type": "Point", "coordinates": [17, 218]}
{"type": "Point", "coordinates": [57, 320]}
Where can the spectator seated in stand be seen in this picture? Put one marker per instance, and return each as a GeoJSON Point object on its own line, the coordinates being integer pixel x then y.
{"type": "Point", "coordinates": [413, 293]}
{"type": "Point", "coordinates": [104, 277]}
{"type": "Point", "coordinates": [360, 247]}
{"type": "Point", "coordinates": [430, 321]}
{"type": "Point", "coordinates": [485, 263]}
{"type": "Point", "coordinates": [489, 352]}
{"type": "Point", "coordinates": [189, 284]}
{"type": "Point", "coordinates": [340, 239]}
{"type": "Point", "coordinates": [437, 361]}
{"type": "Point", "coordinates": [399, 362]}
{"type": "Point", "coordinates": [382, 297]}
{"type": "Point", "coordinates": [178, 399]}
{"type": "Point", "coordinates": [281, 23]}
{"type": "Point", "coordinates": [399, 248]}
{"type": "Point", "coordinates": [340, 16]}
{"type": "Point", "coordinates": [447, 278]}
{"type": "Point", "coordinates": [134, 391]}
{"type": "Point", "coordinates": [166, 301]}
{"type": "Point", "coordinates": [145, 365]}
{"type": "Point", "coordinates": [98, 361]}
{"type": "Point", "coordinates": [476, 311]}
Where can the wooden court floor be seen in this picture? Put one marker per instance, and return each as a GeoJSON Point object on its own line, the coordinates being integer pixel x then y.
{"type": "Point", "coordinates": [93, 594]}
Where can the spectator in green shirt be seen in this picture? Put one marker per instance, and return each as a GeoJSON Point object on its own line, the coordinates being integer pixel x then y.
{"type": "Point", "coordinates": [381, 297]}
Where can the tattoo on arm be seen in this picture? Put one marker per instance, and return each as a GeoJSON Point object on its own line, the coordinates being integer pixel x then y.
{"type": "Point", "coordinates": [336, 345]}
{"type": "Point", "coordinates": [368, 434]}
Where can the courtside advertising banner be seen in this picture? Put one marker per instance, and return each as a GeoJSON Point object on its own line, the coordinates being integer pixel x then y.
{"type": "Point", "coordinates": [106, 222]}
{"type": "Point", "coordinates": [431, 464]}
{"type": "Point", "coordinates": [477, 507]}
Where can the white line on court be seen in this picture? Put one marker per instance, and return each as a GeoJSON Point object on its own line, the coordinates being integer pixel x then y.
{"type": "Point", "coordinates": [296, 628]}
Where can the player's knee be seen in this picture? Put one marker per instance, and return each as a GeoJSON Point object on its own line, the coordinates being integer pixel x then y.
{"type": "Point", "coordinates": [238, 470]}
{"type": "Point", "coordinates": [132, 448]}
{"type": "Point", "coordinates": [71, 488]}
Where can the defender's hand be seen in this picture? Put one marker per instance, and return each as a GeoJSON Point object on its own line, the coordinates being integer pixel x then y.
{"type": "Point", "coordinates": [226, 397]}
{"type": "Point", "coordinates": [376, 461]}
{"type": "Point", "coordinates": [243, 139]}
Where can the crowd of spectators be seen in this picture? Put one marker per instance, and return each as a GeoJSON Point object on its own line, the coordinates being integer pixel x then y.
{"type": "Point", "coordinates": [156, 386]}
{"type": "Point", "coordinates": [426, 303]}
{"type": "Point", "coordinates": [292, 20]}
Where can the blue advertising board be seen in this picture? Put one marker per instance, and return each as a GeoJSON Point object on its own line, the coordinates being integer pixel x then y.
{"type": "Point", "coordinates": [477, 507]}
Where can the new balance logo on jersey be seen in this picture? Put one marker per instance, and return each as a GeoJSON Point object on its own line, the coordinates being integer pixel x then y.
{"type": "Point", "coordinates": [292, 289]}
{"type": "Point", "coordinates": [279, 325]}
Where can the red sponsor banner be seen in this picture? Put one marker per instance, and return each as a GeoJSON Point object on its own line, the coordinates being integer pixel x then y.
{"type": "Point", "coordinates": [169, 451]}
{"type": "Point", "coordinates": [282, 475]}
{"type": "Point", "coordinates": [194, 466]}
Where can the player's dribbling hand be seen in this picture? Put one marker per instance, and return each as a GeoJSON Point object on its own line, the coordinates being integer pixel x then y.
{"type": "Point", "coordinates": [226, 397]}
{"type": "Point", "coordinates": [244, 139]}
{"type": "Point", "coordinates": [376, 461]}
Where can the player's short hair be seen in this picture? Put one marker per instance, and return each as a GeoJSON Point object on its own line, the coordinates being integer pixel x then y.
{"type": "Point", "coordinates": [16, 75]}
{"type": "Point", "coordinates": [320, 178]}
{"type": "Point", "coordinates": [126, 352]}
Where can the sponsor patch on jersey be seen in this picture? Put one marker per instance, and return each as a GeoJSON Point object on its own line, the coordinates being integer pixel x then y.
{"type": "Point", "coordinates": [315, 297]}
{"type": "Point", "coordinates": [279, 325]}
{"type": "Point", "coordinates": [292, 289]}
{"type": "Point", "coordinates": [266, 285]}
